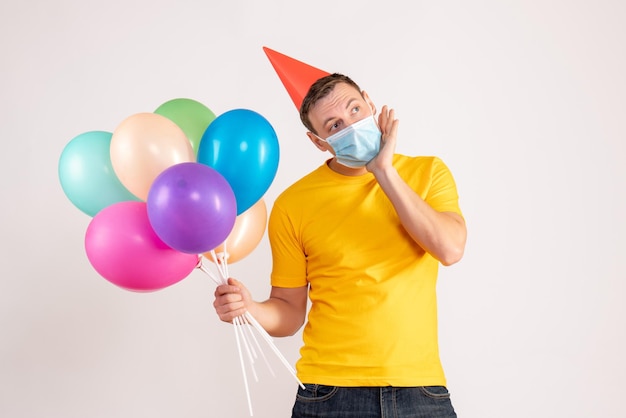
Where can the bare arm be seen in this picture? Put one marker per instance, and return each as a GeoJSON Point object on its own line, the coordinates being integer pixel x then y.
{"type": "Point", "coordinates": [442, 234]}
{"type": "Point", "coordinates": [282, 314]}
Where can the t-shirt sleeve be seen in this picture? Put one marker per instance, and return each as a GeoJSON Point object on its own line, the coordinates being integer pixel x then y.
{"type": "Point", "coordinates": [288, 259]}
{"type": "Point", "coordinates": [442, 194]}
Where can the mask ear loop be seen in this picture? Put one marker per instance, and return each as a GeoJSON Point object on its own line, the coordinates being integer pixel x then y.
{"type": "Point", "coordinates": [373, 116]}
{"type": "Point", "coordinates": [320, 138]}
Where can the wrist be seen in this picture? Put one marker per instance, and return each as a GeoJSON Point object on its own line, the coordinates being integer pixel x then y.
{"type": "Point", "coordinates": [384, 173]}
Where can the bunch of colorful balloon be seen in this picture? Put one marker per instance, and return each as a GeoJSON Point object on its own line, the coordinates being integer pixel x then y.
{"type": "Point", "coordinates": [170, 188]}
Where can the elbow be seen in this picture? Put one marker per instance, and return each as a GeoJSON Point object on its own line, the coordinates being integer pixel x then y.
{"type": "Point", "coordinates": [453, 255]}
{"type": "Point", "coordinates": [294, 330]}
{"type": "Point", "coordinates": [455, 249]}
{"type": "Point", "coordinates": [287, 330]}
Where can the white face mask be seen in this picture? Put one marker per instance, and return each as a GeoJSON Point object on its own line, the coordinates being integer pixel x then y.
{"type": "Point", "coordinates": [357, 144]}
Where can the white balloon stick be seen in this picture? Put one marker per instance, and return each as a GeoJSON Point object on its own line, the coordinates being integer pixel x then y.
{"type": "Point", "coordinates": [256, 343]}
{"type": "Point", "coordinates": [246, 344]}
{"type": "Point", "coordinates": [268, 339]}
{"type": "Point", "coordinates": [243, 370]}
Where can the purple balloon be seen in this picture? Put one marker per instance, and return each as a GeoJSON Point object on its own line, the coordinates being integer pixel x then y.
{"type": "Point", "coordinates": [191, 207]}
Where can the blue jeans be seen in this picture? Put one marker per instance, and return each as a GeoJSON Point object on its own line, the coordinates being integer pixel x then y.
{"type": "Point", "coordinates": [317, 401]}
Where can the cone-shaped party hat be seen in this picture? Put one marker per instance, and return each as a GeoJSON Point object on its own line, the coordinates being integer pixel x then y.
{"type": "Point", "coordinates": [297, 77]}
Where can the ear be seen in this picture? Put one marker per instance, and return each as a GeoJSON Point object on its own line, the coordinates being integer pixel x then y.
{"type": "Point", "coordinates": [321, 145]}
{"type": "Point", "coordinates": [369, 101]}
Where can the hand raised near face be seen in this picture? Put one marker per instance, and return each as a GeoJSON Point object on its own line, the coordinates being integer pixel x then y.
{"type": "Point", "coordinates": [388, 125]}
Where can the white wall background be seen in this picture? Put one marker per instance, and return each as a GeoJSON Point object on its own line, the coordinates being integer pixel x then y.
{"type": "Point", "coordinates": [524, 100]}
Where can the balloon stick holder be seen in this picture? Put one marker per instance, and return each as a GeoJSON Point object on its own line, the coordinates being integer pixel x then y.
{"type": "Point", "coordinates": [244, 336]}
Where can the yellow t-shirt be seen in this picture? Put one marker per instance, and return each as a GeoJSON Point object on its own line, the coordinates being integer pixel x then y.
{"type": "Point", "coordinates": [373, 314]}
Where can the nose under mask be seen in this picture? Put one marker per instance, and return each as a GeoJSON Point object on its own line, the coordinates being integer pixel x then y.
{"type": "Point", "coordinates": [357, 144]}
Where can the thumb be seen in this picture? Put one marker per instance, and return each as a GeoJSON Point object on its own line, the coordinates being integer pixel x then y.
{"type": "Point", "coordinates": [234, 282]}
{"type": "Point", "coordinates": [243, 290]}
{"type": "Point", "coordinates": [245, 293]}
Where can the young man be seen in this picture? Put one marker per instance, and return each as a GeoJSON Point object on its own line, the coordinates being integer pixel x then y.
{"type": "Point", "coordinates": [362, 237]}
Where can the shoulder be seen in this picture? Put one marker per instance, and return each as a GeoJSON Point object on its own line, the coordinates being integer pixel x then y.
{"type": "Point", "coordinates": [427, 163]}
{"type": "Point", "coordinates": [301, 187]}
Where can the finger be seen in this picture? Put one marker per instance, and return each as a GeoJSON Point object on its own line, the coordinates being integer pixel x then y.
{"type": "Point", "coordinates": [390, 119]}
{"type": "Point", "coordinates": [230, 298]}
{"type": "Point", "coordinates": [225, 289]}
{"type": "Point", "coordinates": [225, 308]}
{"type": "Point", "coordinates": [394, 128]}
{"type": "Point", "coordinates": [228, 309]}
{"type": "Point", "coordinates": [382, 117]}
{"type": "Point", "coordinates": [229, 316]}
{"type": "Point", "coordinates": [234, 282]}
{"type": "Point", "coordinates": [386, 120]}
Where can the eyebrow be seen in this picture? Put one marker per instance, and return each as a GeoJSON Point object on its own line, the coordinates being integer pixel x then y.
{"type": "Point", "coordinates": [332, 117]}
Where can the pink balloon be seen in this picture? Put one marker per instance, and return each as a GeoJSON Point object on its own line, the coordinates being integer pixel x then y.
{"type": "Point", "coordinates": [124, 249]}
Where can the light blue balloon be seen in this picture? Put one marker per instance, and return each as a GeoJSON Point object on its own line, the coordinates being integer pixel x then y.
{"type": "Point", "coordinates": [242, 146]}
{"type": "Point", "coordinates": [87, 176]}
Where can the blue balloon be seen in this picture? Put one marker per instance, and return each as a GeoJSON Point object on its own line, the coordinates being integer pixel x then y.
{"type": "Point", "coordinates": [87, 176]}
{"type": "Point", "coordinates": [242, 146]}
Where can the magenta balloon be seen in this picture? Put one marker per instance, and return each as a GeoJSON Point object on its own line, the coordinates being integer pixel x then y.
{"type": "Point", "coordinates": [191, 207]}
{"type": "Point", "coordinates": [124, 249]}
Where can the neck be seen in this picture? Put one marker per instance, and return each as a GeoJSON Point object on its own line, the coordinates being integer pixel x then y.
{"type": "Point", "coordinates": [344, 170]}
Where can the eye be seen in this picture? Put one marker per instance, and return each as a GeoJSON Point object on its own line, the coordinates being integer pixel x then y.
{"type": "Point", "coordinates": [334, 126]}
{"type": "Point", "coordinates": [356, 109]}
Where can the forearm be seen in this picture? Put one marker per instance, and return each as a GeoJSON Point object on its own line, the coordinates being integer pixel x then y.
{"type": "Point", "coordinates": [279, 317]}
{"type": "Point", "coordinates": [443, 235]}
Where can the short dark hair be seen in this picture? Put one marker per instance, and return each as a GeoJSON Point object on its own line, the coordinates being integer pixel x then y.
{"type": "Point", "coordinates": [320, 89]}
